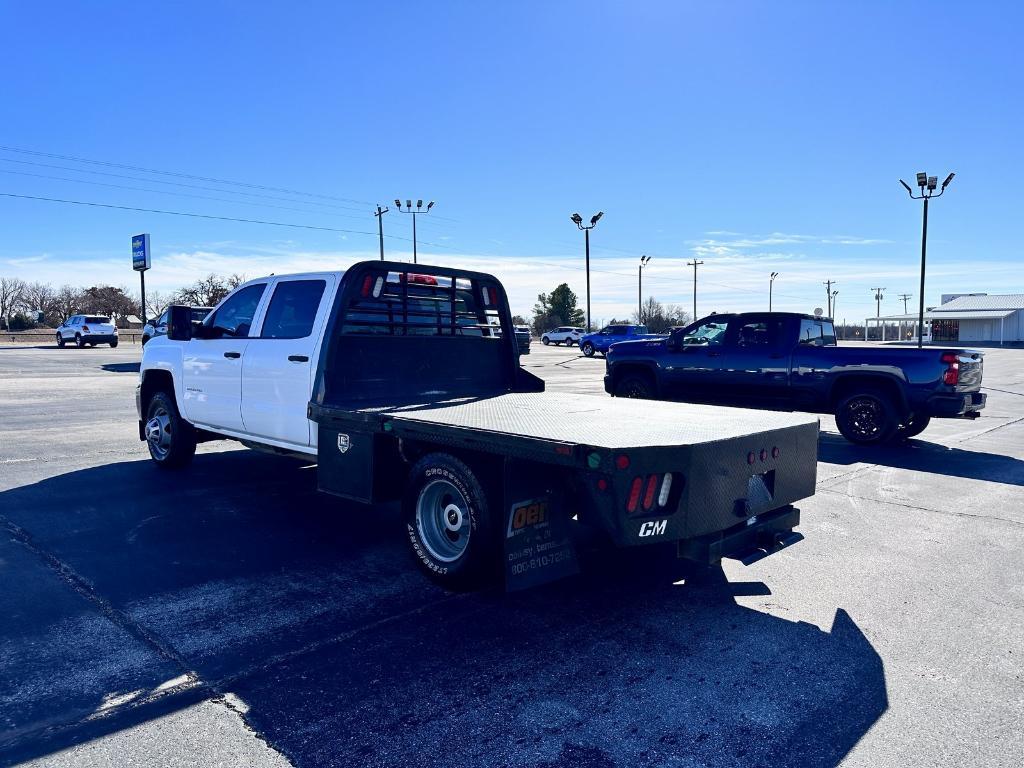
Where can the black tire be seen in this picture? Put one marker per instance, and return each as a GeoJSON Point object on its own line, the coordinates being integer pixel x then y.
{"type": "Point", "coordinates": [914, 426]}
{"type": "Point", "coordinates": [587, 349]}
{"type": "Point", "coordinates": [171, 440]}
{"type": "Point", "coordinates": [79, 341]}
{"type": "Point", "coordinates": [867, 417]}
{"type": "Point", "coordinates": [443, 492]}
{"type": "Point", "coordinates": [60, 341]}
{"type": "Point", "coordinates": [144, 340]}
{"type": "Point", "coordinates": [113, 344]}
{"type": "Point", "coordinates": [545, 340]}
{"type": "Point", "coordinates": [635, 385]}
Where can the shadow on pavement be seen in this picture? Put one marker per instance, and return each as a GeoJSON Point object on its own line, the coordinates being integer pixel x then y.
{"type": "Point", "coordinates": [121, 367]}
{"type": "Point", "coordinates": [310, 611]}
{"type": "Point", "coordinates": [922, 456]}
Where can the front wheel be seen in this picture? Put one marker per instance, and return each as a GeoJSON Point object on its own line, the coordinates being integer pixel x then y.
{"type": "Point", "coordinates": [867, 417]}
{"type": "Point", "coordinates": [451, 528]}
{"type": "Point", "coordinates": [545, 340]}
{"type": "Point", "coordinates": [113, 344]}
{"type": "Point", "coordinates": [60, 341]}
{"type": "Point", "coordinates": [635, 386]}
{"type": "Point", "coordinates": [171, 440]}
{"type": "Point", "coordinates": [587, 349]}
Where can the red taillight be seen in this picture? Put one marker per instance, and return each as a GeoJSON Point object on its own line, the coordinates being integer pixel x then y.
{"type": "Point", "coordinates": [951, 375]}
{"type": "Point", "coordinates": [634, 494]}
{"type": "Point", "coordinates": [652, 486]}
{"type": "Point", "coordinates": [85, 328]}
{"type": "Point", "coordinates": [751, 458]}
{"type": "Point", "coordinates": [775, 452]}
{"type": "Point", "coordinates": [602, 485]}
{"type": "Point", "coordinates": [422, 279]}
{"type": "Point", "coordinates": [367, 282]}
{"type": "Point", "coordinates": [622, 461]}
{"type": "Point", "coordinates": [764, 455]}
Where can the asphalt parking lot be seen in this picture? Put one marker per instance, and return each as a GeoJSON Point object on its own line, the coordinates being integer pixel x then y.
{"type": "Point", "coordinates": [229, 615]}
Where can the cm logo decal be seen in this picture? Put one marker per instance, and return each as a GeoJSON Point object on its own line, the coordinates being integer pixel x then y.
{"type": "Point", "coordinates": [653, 528]}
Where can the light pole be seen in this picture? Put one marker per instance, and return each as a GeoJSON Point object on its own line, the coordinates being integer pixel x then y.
{"type": "Point", "coordinates": [929, 183]}
{"type": "Point", "coordinates": [828, 294]}
{"type": "Point", "coordinates": [418, 210]}
{"type": "Point", "coordinates": [578, 221]}
{"type": "Point", "coordinates": [878, 309]}
{"type": "Point", "coordinates": [380, 227]}
{"type": "Point", "coordinates": [833, 313]}
{"type": "Point", "coordinates": [771, 282]}
{"type": "Point", "coordinates": [904, 297]}
{"type": "Point", "coordinates": [639, 289]}
{"type": "Point", "coordinates": [694, 264]}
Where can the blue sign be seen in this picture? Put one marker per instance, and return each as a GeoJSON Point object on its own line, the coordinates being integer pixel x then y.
{"type": "Point", "coordinates": [140, 253]}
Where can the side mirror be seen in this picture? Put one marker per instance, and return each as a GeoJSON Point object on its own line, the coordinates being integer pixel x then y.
{"type": "Point", "coordinates": [179, 323]}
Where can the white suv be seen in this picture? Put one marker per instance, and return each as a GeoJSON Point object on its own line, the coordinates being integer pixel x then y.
{"type": "Point", "coordinates": [87, 329]}
{"type": "Point", "coordinates": [566, 334]}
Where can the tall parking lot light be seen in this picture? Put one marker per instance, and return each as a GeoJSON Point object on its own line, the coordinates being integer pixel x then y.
{"type": "Point", "coordinates": [639, 289]}
{"type": "Point", "coordinates": [771, 282]}
{"type": "Point", "coordinates": [418, 210]}
{"type": "Point", "coordinates": [578, 221]}
{"type": "Point", "coordinates": [926, 185]}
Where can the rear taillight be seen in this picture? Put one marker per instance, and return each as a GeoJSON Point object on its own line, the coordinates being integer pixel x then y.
{"type": "Point", "coordinates": [652, 487]}
{"type": "Point", "coordinates": [951, 375]}
{"type": "Point", "coordinates": [367, 282]}
{"type": "Point", "coordinates": [634, 494]}
{"type": "Point", "coordinates": [85, 328]}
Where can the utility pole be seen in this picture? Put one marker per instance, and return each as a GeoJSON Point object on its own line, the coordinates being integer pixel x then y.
{"type": "Point", "coordinates": [771, 281]}
{"type": "Point", "coordinates": [380, 227]}
{"type": "Point", "coordinates": [694, 264]}
{"type": "Point", "coordinates": [930, 182]}
{"type": "Point", "coordinates": [639, 289]}
{"type": "Point", "coordinates": [418, 210]}
{"type": "Point", "coordinates": [828, 294]}
{"type": "Point", "coordinates": [578, 221]}
{"type": "Point", "coordinates": [905, 297]}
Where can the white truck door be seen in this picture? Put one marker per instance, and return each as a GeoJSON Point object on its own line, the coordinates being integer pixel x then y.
{"type": "Point", "coordinates": [212, 367]}
{"type": "Point", "coordinates": [279, 364]}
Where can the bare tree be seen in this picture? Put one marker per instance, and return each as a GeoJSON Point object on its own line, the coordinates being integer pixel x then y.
{"type": "Point", "coordinates": [39, 297]}
{"type": "Point", "coordinates": [157, 302]}
{"type": "Point", "coordinates": [209, 290]}
{"type": "Point", "coordinates": [660, 318]}
{"type": "Point", "coordinates": [67, 301]}
{"type": "Point", "coordinates": [12, 293]}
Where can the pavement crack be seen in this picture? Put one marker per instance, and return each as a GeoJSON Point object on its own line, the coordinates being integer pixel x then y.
{"type": "Point", "coordinates": [922, 509]}
{"type": "Point", "coordinates": [993, 429]}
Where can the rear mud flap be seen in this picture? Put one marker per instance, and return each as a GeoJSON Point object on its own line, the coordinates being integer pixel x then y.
{"type": "Point", "coordinates": [538, 544]}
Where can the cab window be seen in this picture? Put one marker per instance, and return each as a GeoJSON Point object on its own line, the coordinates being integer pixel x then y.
{"type": "Point", "coordinates": [763, 334]}
{"type": "Point", "coordinates": [234, 317]}
{"type": "Point", "coordinates": [708, 334]}
{"type": "Point", "coordinates": [293, 309]}
{"type": "Point", "coordinates": [817, 333]}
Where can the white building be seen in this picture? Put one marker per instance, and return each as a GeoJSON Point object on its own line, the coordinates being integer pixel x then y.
{"type": "Point", "coordinates": [975, 317]}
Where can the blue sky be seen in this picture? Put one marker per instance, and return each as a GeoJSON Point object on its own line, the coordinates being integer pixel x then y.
{"type": "Point", "coordinates": [755, 136]}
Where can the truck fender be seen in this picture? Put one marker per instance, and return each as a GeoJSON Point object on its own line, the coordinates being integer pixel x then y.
{"type": "Point", "coordinates": [845, 384]}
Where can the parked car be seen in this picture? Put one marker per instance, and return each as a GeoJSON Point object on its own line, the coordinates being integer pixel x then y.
{"type": "Point", "coordinates": [401, 391]}
{"type": "Point", "coordinates": [158, 327]}
{"type": "Point", "coordinates": [85, 330]}
{"type": "Point", "coordinates": [565, 334]}
{"type": "Point", "coordinates": [600, 341]}
{"type": "Point", "coordinates": [785, 361]}
{"type": "Point", "coordinates": [523, 339]}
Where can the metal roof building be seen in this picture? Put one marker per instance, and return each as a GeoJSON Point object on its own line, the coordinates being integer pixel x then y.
{"type": "Point", "coordinates": [994, 319]}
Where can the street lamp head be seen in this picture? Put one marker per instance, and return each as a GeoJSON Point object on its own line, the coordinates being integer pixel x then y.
{"type": "Point", "coordinates": [398, 202]}
{"type": "Point", "coordinates": [596, 218]}
{"type": "Point", "coordinates": [419, 203]}
{"type": "Point", "coordinates": [430, 205]}
{"type": "Point", "coordinates": [907, 187]}
{"type": "Point", "coordinates": [576, 219]}
{"type": "Point", "coordinates": [922, 179]}
{"type": "Point", "coordinates": [933, 182]}
{"type": "Point", "coordinates": [408, 204]}
{"type": "Point", "coordinates": [774, 275]}
{"type": "Point", "coordinates": [948, 179]}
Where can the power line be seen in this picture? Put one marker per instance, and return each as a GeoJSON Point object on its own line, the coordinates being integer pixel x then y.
{"type": "Point", "coordinates": [177, 184]}
{"type": "Point", "coordinates": [177, 194]}
{"type": "Point", "coordinates": [179, 175]}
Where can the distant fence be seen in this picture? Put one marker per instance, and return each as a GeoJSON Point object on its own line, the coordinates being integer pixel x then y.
{"type": "Point", "coordinates": [131, 337]}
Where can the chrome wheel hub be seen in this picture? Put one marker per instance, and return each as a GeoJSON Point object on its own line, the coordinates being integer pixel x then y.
{"type": "Point", "coordinates": [158, 433]}
{"type": "Point", "coordinates": [442, 520]}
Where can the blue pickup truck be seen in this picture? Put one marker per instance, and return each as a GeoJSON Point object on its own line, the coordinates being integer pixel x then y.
{"type": "Point", "coordinates": [785, 361]}
{"type": "Point", "coordinates": [600, 341]}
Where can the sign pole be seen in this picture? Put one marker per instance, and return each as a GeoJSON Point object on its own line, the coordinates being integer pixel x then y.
{"type": "Point", "coordinates": [141, 261]}
{"type": "Point", "coordinates": [142, 281]}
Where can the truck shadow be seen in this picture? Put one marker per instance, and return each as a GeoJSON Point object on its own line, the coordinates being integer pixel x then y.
{"type": "Point", "coordinates": [237, 573]}
{"type": "Point", "coordinates": [121, 367]}
{"type": "Point", "coordinates": [923, 456]}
